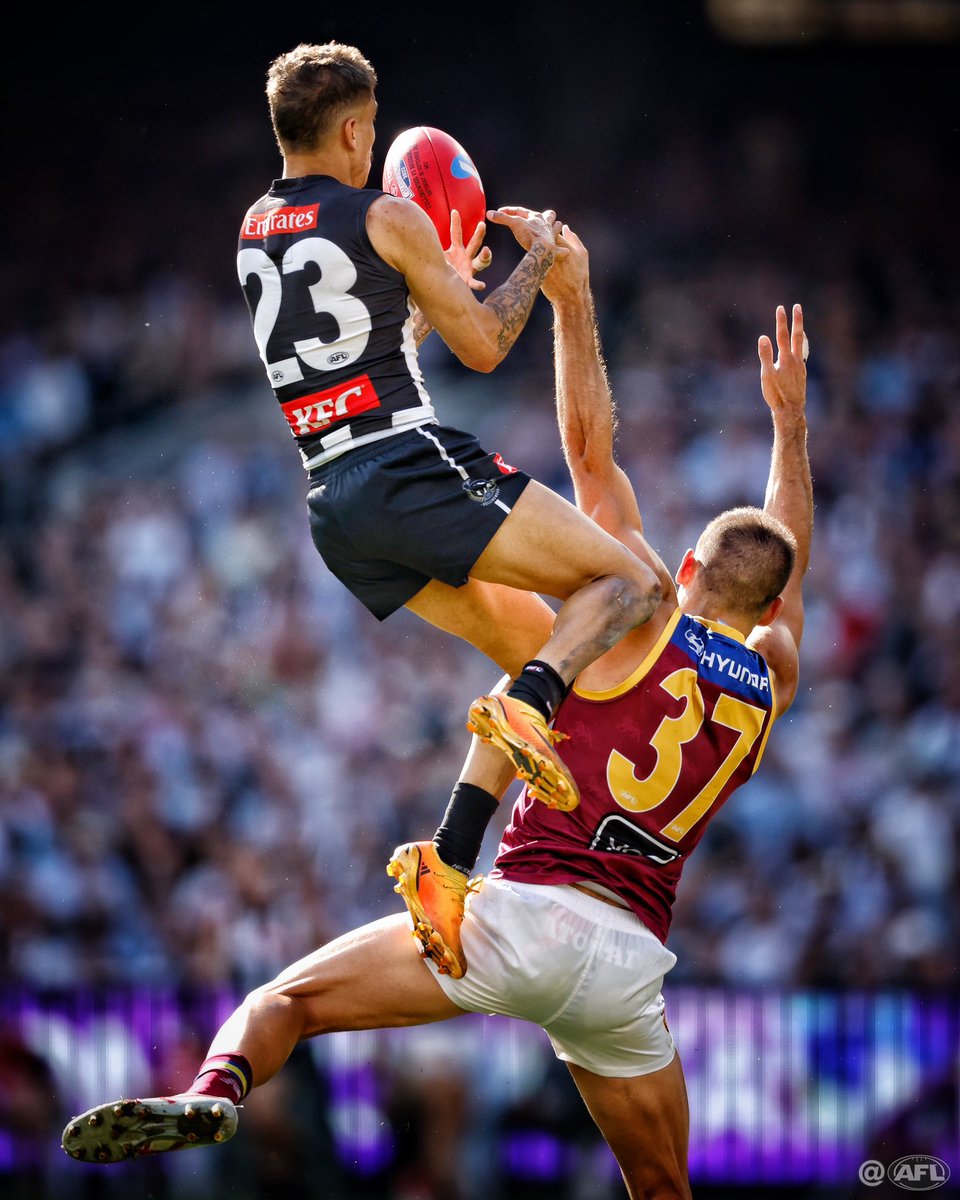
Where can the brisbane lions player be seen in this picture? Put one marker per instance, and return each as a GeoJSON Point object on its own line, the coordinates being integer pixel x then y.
{"type": "Point", "coordinates": [570, 927]}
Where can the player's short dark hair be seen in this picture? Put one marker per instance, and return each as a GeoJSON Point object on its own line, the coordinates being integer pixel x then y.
{"type": "Point", "coordinates": [310, 86]}
{"type": "Point", "coordinates": [746, 556]}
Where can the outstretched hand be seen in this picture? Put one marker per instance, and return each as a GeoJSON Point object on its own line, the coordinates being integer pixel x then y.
{"type": "Point", "coordinates": [569, 277]}
{"type": "Point", "coordinates": [528, 226]}
{"type": "Point", "coordinates": [468, 260]}
{"type": "Point", "coordinates": [784, 382]}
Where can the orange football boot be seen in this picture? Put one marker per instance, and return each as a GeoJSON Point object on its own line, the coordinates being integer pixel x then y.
{"type": "Point", "coordinates": [522, 734]}
{"type": "Point", "coordinates": [434, 894]}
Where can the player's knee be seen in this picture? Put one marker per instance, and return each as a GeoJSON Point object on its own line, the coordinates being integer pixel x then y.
{"type": "Point", "coordinates": [653, 1180]}
{"type": "Point", "coordinates": [274, 999]}
{"type": "Point", "coordinates": [639, 597]}
{"type": "Point", "coordinates": [625, 602]}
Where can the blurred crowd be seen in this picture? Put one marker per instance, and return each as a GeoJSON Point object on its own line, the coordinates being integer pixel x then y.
{"type": "Point", "coordinates": [208, 749]}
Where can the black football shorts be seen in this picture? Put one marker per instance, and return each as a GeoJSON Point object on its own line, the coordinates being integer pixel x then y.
{"type": "Point", "coordinates": [389, 517]}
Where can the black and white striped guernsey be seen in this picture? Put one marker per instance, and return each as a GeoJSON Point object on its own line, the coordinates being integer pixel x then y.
{"type": "Point", "coordinates": [332, 321]}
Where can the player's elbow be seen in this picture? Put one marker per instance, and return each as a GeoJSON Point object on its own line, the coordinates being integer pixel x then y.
{"type": "Point", "coordinates": [486, 365]}
{"type": "Point", "coordinates": [481, 358]}
{"type": "Point", "coordinates": [489, 343]}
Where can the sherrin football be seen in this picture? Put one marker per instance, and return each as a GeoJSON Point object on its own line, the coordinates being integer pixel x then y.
{"type": "Point", "coordinates": [430, 167]}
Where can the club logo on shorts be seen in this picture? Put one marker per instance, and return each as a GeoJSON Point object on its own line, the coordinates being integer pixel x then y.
{"type": "Point", "coordinates": [484, 491]}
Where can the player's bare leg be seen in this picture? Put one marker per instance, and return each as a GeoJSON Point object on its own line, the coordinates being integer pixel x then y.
{"type": "Point", "coordinates": [507, 625]}
{"type": "Point", "coordinates": [370, 978]}
{"type": "Point", "coordinates": [548, 545]}
{"type": "Point", "coordinates": [645, 1121]}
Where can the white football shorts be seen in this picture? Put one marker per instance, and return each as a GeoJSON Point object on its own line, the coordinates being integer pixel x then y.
{"type": "Point", "coordinates": [588, 972]}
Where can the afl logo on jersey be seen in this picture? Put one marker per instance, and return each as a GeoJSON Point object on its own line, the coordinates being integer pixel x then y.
{"type": "Point", "coordinates": [483, 491]}
{"type": "Point", "coordinates": [339, 357]}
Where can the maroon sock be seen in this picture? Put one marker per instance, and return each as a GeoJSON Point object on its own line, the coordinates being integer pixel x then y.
{"type": "Point", "coordinates": [226, 1075]}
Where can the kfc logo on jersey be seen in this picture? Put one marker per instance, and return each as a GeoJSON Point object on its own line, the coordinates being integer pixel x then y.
{"type": "Point", "coordinates": [257, 226]}
{"type": "Point", "coordinates": [310, 414]}
{"type": "Point", "coordinates": [502, 467]}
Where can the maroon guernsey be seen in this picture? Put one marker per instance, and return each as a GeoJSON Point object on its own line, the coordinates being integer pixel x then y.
{"type": "Point", "coordinates": [655, 758]}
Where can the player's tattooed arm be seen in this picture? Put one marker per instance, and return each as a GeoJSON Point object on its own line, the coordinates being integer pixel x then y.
{"type": "Point", "coordinates": [514, 299]}
{"type": "Point", "coordinates": [467, 260]}
{"type": "Point", "coordinates": [421, 326]}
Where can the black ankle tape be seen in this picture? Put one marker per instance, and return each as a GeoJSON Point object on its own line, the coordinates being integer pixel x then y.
{"type": "Point", "coordinates": [460, 835]}
{"type": "Point", "coordinates": [539, 685]}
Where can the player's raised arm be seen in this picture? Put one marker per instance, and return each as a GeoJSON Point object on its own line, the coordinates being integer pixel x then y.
{"type": "Point", "coordinates": [789, 494]}
{"type": "Point", "coordinates": [585, 408]}
{"type": "Point", "coordinates": [479, 334]}
{"type": "Point", "coordinates": [467, 259]}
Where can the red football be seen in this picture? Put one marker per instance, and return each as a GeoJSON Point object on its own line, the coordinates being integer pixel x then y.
{"type": "Point", "coordinates": [432, 168]}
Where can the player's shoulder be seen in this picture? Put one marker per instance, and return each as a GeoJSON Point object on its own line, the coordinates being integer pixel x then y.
{"type": "Point", "coordinates": [776, 646]}
{"type": "Point", "coordinates": [388, 211]}
{"type": "Point", "coordinates": [259, 206]}
{"type": "Point", "coordinates": [402, 234]}
{"type": "Point", "coordinates": [263, 199]}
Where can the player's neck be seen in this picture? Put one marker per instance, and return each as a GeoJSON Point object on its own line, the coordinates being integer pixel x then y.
{"type": "Point", "coordinates": [710, 612]}
{"type": "Point", "coordinates": [296, 166]}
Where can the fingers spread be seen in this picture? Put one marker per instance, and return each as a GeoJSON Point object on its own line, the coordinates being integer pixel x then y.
{"type": "Point", "coordinates": [783, 332]}
{"type": "Point", "coordinates": [798, 337]}
{"type": "Point", "coordinates": [476, 241]}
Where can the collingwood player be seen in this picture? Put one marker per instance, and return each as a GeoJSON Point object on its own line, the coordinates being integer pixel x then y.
{"type": "Point", "coordinates": [342, 282]}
